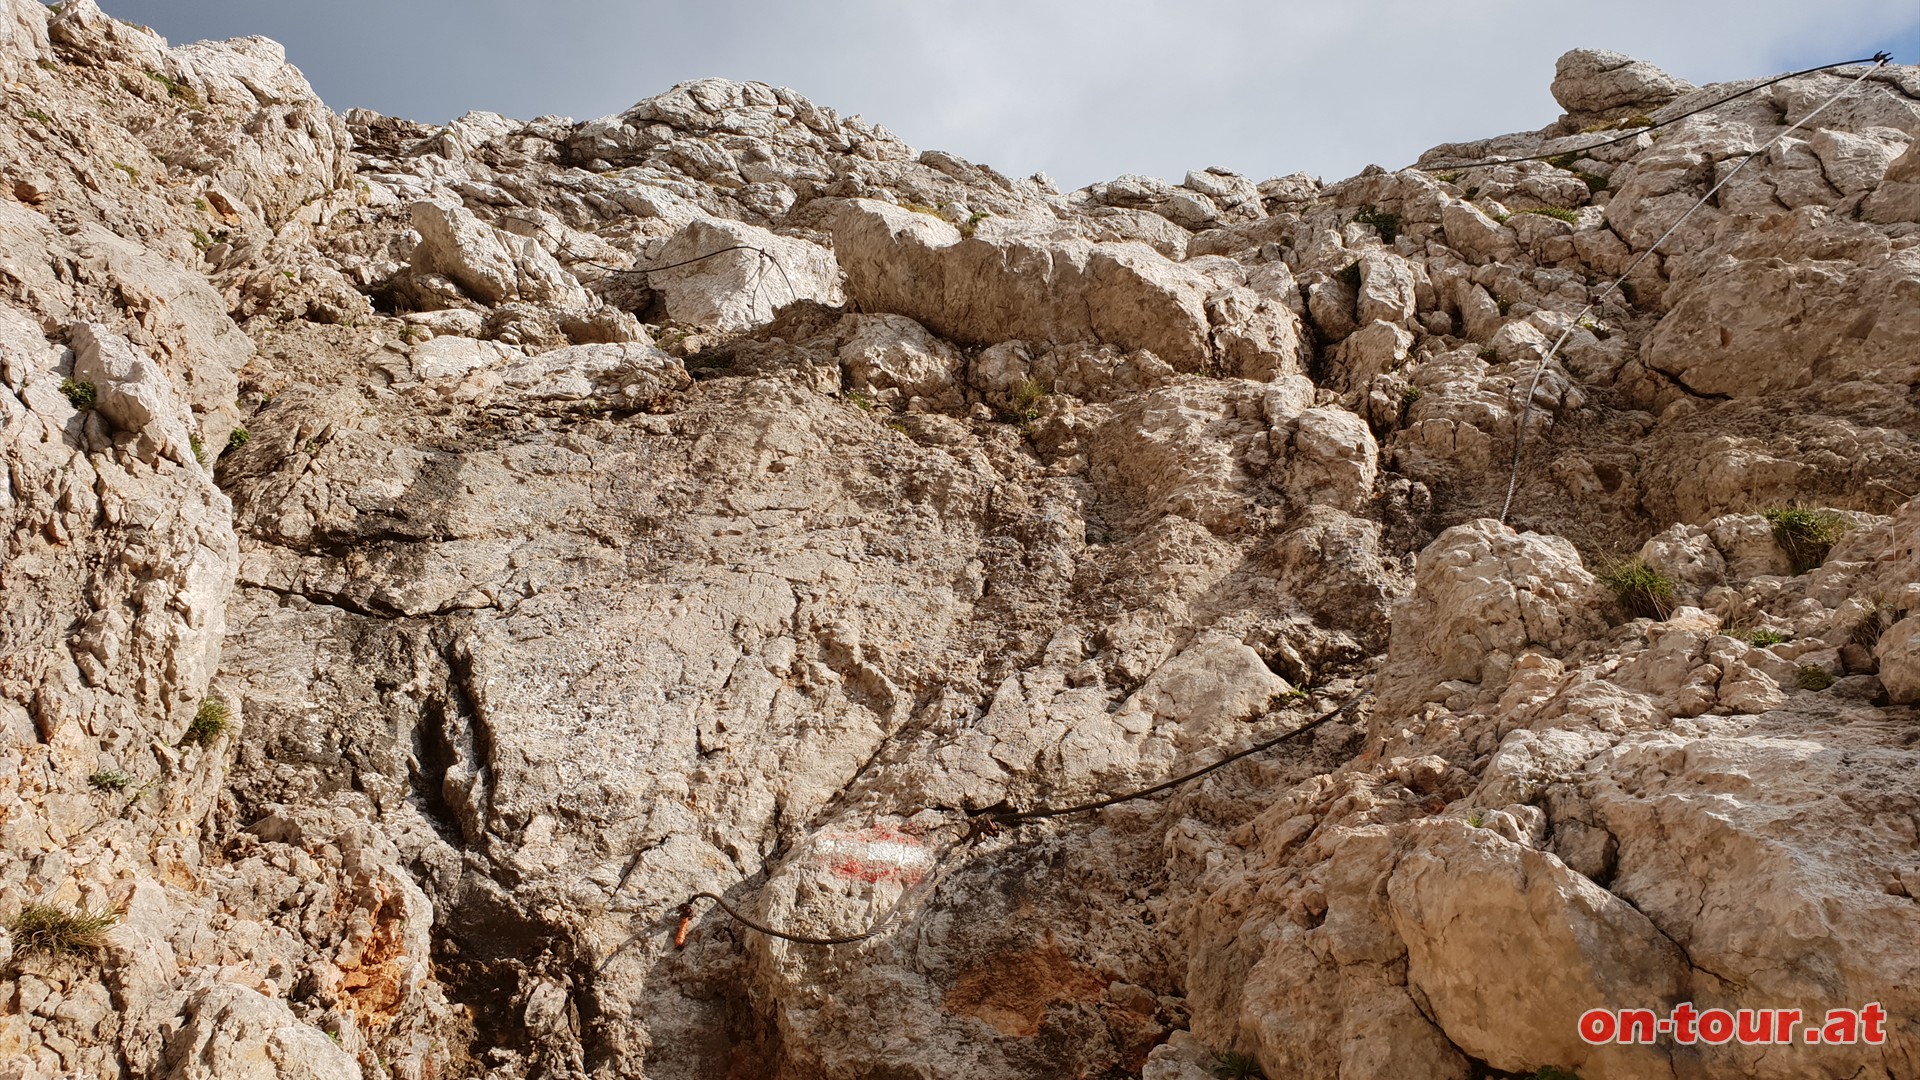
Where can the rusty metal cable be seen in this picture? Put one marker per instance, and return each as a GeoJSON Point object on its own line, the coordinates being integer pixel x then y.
{"type": "Point", "coordinates": [996, 818]}
{"type": "Point", "coordinates": [1042, 813]}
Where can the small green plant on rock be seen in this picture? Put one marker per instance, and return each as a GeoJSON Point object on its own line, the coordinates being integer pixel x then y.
{"type": "Point", "coordinates": [52, 930]}
{"type": "Point", "coordinates": [1564, 161]}
{"type": "Point", "coordinates": [1477, 818]}
{"type": "Point", "coordinates": [1234, 1065]}
{"type": "Point", "coordinates": [860, 400]}
{"type": "Point", "coordinates": [1026, 400]}
{"type": "Point", "coordinates": [133, 174]}
{"type": "Point", "coordinates": [199, 448]}
{"type": "Point", "coordinates": [36, 114]}
{"type": "Point", "coordinates": [1447, 177]}
{"type": "Point", "coordinates": [1594, 181]}
{"type": "Point", "coordinates": [83, 394]}
{"type": "Point", "coordinates": [237, 439]}
{"type": "Point", "coordinates": [1387, 225]}
{"type": "Point", "coordinates": [972, 224]}
{"type": "Point", "coordinates": [1813, 677]}
{"type": "Point", "coordinates": [210, 721]}
{"type": "Point", "coordinates": [1411, 394]}
{"type": "Point", "coordinates": [1646, 593]}
{"type": "Point", "coordinates": [110, 780]}
{"type": "Point", "coordinates": [1806, 535]}
{"type": "Point", "coordinates": [1764, 637]}
{"type": "Point", "coordinates": [176, 89]}
{"type": "Point", "coordinates": [1350, 274]}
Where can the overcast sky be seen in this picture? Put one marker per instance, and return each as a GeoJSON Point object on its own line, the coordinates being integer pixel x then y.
{"type": "Point", "coordinates": [1083, 90]}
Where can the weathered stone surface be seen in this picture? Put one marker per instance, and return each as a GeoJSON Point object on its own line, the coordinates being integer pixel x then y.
{"type": "Point", "coordinates": [1899, 654]}
{"type": "Point", "coordinates": [527, 630]}
{"type": "Point", "coordinates": [976, 290]}
{"type": "Point", "coordinates": [1600, 81]}
{"type": "Point", "coordinates": [233, 1032]}
{"type": "Point", "coordinates": [1482, 594]}
{"type": "Point", "coordinates": [492, 265]}
{"type": "Point", "coordinates": [740, 288]}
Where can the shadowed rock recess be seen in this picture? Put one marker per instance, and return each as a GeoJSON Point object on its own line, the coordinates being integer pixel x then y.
{"type": "Point", "coordinates": [411, 598]}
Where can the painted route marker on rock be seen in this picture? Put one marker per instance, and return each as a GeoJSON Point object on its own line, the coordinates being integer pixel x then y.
{"type": "Point", "coordinates": [874, 855]}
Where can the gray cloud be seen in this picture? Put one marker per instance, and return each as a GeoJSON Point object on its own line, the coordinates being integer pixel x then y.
{"type": "Point", "coordinates": [1081, 89]}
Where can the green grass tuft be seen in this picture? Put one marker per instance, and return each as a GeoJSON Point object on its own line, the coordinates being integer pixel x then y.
{"type": "Point", "coordinates": [237, 440]}
{"type": "Point", "coordinates": [1813, 677]}
{"type": "Point", "coordinates": [36, 114]}
{"type": "Point", "coordinates": [1806, 535]}
{"type": "Point", "coordinates": [1026, 400]}
{"type": "Point", "coordinates": [51, 930]}
{"type": "Point", "coordinates": [1764, 637]}
{"type": "Point", "coordinates": [199, 448]}
{"type": "Point", "coordinates": [83, 394]}
{"type": "Point", "coordinates": [210, 721]}
{"type": "Point", "coordinates": [1646, 593]}
{"type": "Point", "coordinates": [1555, 212]}
{"type": "Point", "coordinates": [177, 90]}
{"type": "Point", "coordinates": [1233, 1065]}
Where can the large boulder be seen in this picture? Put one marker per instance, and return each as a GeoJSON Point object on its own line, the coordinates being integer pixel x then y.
{"type": "Point", "coordinates": [1482, 594]}
{"type": "Point", "coordinates": [1597, 81]}
{"type": "Point", "coordinates": [733, 276]}
{"type": "Point", "coordinates": [1034, 289]}
{"type": "Point", "coordinates": [493, 266]}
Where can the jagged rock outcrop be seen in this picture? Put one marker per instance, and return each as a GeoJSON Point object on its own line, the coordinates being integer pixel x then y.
{"type": "Point", "coordinates": [412, 598]}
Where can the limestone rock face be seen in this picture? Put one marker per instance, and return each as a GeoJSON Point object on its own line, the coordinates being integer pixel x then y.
{"type": "Point", "coordinates": [233, 1032]}
{"type": "Point", "coordinates": [433, 557]}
